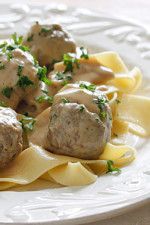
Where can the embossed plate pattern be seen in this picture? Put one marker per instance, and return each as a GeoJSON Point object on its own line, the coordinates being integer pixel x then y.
{"type": "Point", "coordinates": [110, 195]}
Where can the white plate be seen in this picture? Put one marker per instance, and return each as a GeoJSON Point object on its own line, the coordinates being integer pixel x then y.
{"type": "Point", "coordinates": [110, 195]}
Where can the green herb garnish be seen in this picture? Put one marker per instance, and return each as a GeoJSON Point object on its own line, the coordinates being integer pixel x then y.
{"type": "Point", "coordinates": [3, 104]}
{"type": "Point", "coordinates": [7, 91]}
{"type": "Point", "coordinates": [24, 82]}
{"type": "Point", "coordinates": [81, 108]}
{"type": "Point", "coordinates": [59, 76]}
{"type": "Point", "coordinates": [27, 123]}
{"type": "Point", "coordinates": [20, 68]}
{"type": "Point", "coordinates": [64, 77]}
{"type": "Point", "coordinates": [2, 66]}
{"type": "Point", "coordinates": [9, 56]}
{"type": "Point", "coordinates": [70, 62]}
{"type": "Point", "coordinates": [84, 53]}
{"type": "Point", "coordinates": [42, 71]}
{"type": "Point", "coordinates": [30, 38]}
{"type": "Point", "coordinates": [3, 44]}
{"type": "Point", "coordinates": [101, 101]}
{"type": "Point", "coordinates": [111, 168]}
{"type": "Point", "coordinates": [64, 100]}
{"type": "Point", "coordinates": [45, 30]}
{"type": "Point", "coordinates": [90, 87]}
{"type": "Point", "coordinates": [17, 40]}
{"type": "Point", "coordinates": [44, 98]}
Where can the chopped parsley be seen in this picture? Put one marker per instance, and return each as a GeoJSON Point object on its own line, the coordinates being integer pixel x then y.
{"type": "Point", "coordinates": [44, 31]}
{"type": "Point", "coordinates": [111, 168]}
{"type": "Point", "coordinates": [70, 61]}
{"type": "Point", "coordinates": [20, 68]}
{"type": "Point", "coordinates": [30, 38]}
{"type": "Point", "coordinates": [27, 123]}
{"type": "Point", "coordinates": [101, 101]}
{"type": "Point", "coordinates": [9, 56]}
{"type": "Point", "coordinates": [3, 44]}
{"type": "Point", "coordinates": [17, 40]}
{"type": "Point", "coordinates": [44, 98]}
{"type": "Point", "coordinates": [3, 104]}
{"type": "Point", "coordinates": [42, 71]}
{"type": "Point", "coordinates": [2, 66]}
{"type": "Point", "coordinates": [89, 87]}
{"type": "Point", "coordinates": [59, 76]}
{"type": "Point", "coordinates": [81, 108]}
{"type": "Point", "coordinates": [64, 77]}
{"type": "Point", "coordinates": [23, 48]}
{"type": "Point", "coordinates": [24, 82]}
{"type": "Point", "coordinates": [65, 82]}
{"type": "Point", "coordinates": [17, 43]}
{"type": "Point", "coordinates": [7, 91]}
{"type": "Point", "coordinates": [84, 53]}
{"type": "Point", "coordinates": [64, 100]}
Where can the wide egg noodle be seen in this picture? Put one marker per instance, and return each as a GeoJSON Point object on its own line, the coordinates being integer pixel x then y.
{"type": "Point", "coordinates": [127, 82]}
{"type": "Point", "coordinates": [135, 110]}
{"type": "Point", "coordinates": [34, 162]}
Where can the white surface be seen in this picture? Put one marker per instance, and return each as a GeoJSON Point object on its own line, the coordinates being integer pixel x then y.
{"type": "Point", "coordinates": [110, 195]}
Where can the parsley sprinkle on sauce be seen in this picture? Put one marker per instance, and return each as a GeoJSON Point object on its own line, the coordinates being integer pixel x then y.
{"type": "Point", "coordinates": [101, 101]}
{"type": "Point", "coordinates": [30, 38]}
{"type": "Point", "coordinates": [82, 108]}
{"type": "Point", "coordinates": [7, 91]}
{"type": "Point", "coordinates": [2, 66]}
{"type": "Point", "coordinates": [3, 104]}
{"type": "Point", "coordinates": [20, 68]}
{"type": "Point", "coordinates": [42, 71]}
{"type": "Point", "coordinates": [64, 100]}
{"type": "Point", "coordinates": [84, 53]}
{"type": "Point", "coordinates": [44, 98]}
{"type": "Point", "coordinates": [90, 87]}
{"type": "Point", "coordinates": [70, 61]}
{"type": "Point", "coordinates": [24, 82]}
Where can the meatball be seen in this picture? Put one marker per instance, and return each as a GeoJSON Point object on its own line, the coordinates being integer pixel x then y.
{"type": "Point", "coordinates": [10, 136]}
{"type": "Point", "coordinates": [18, 76]}
{"type": "Point", "coordinates": [80, 122]}
{"type": "Point", "coordinates": [48, 43]}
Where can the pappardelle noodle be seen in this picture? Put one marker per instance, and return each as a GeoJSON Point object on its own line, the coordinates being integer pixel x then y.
{"type": "Point", "coordinates": [65, 113]}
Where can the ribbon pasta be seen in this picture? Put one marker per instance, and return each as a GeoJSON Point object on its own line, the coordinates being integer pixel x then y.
{"type": "Point", "coordinates": [130, 114]}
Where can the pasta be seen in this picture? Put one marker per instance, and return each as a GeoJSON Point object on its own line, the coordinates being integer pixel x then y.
{"type": "Point", "coordinates": [130, 114]}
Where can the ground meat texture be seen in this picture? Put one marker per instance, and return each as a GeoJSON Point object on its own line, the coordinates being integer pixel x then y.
{"type": "Point", "coordinates": [48, 43]}
{"type": "Point", "coordinates": [21, 64]}
{"type": "Point", "coordinates": [10, 136]}
{"type": "Point", "coordinates": [74, 131]}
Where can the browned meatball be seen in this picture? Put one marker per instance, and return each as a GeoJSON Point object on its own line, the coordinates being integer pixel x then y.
{"type": "Point", "coordinates": [10, 136]}
{"type": "Point", "coordinates": [80, 122]}
{"type": "Point", "coordinates": [18, 76]}
{"type": "Point", "coordinates": [48, 43]}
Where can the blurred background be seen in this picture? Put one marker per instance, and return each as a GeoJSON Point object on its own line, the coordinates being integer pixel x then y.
{"type": "Point", "coordinates": [137, 10]}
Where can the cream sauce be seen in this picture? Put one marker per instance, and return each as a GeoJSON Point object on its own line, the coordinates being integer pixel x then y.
{"type": "Point", "coordinates": [39, 134]}
{"type": "Point", "coordinates": [90, 70]}
{"type": "Point", "coordinates": [74, 93]}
